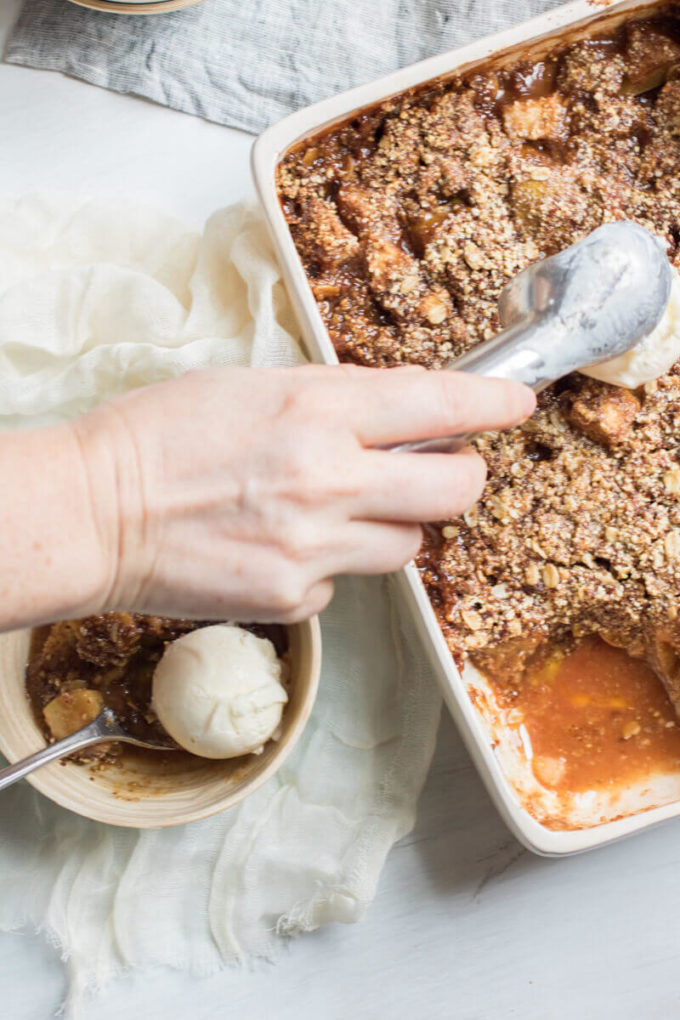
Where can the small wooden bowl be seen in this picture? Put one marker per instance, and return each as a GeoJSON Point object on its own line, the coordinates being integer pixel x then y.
{"type": "Point", "coordinates": [136, 6]}
{"type": "Point", "coordinates": [141, 792]}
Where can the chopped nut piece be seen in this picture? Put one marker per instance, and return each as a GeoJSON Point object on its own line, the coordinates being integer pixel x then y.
{"type": "Point", "coordinates": [551, 577]}
{"type": "Point", "coordinates": [449, 531]}
{"type": "Point", "coordinates": [472, 619]}
{"type": "Point", "coordinates": [324, 291]}
{"type": "Point", "coordinates": [658, 555]}
{"type": "Point", "coordinates": [471, 517]}
{"type": "Point", "coordinates": [474, 256]}
{"type": "Point", "coordinates": [436, 307]}
{"type": "Point", "coordinates": [672, 544]}
{"type": "Point", "coordinates": [531, 574]}
{"type": "Point", "coordinates": [539, 173]}
{"type": "Point", "coordinates": [671, 480]}
{"type": "Point", "coordinates": [537, 548]}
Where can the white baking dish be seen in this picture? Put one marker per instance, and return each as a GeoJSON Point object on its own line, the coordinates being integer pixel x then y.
{"type": "Point", "coordinates": [498, 749]}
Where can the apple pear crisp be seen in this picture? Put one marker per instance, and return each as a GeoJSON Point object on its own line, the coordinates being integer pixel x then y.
{"type": "Point", "coordinates": [411, 217]}
{"type": "Point", "coordinates": [78, 667]}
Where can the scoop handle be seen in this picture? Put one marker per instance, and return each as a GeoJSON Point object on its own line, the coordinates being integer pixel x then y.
{"type": "Point", "coordinates": [512, 354]}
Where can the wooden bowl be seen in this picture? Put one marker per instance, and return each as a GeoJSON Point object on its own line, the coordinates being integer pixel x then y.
{"type": "Point", "coordinates": [144, 792]}
{"type": "Point", "coordinates": [136, 6]}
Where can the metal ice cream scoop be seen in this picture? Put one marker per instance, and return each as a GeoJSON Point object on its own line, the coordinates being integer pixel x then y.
{"type": "Point", "coordinates": [593, 301]}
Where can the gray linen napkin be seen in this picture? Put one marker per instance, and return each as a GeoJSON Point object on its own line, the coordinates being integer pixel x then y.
{"type": "Point", "coordinates": [247, 64]}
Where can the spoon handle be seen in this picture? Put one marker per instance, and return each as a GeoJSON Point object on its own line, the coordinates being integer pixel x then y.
{"type": "Point", "coordinates": [81, 738]}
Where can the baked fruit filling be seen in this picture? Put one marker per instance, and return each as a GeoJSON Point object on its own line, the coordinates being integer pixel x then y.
{"type": "Point", "coordinates": [410, 219]}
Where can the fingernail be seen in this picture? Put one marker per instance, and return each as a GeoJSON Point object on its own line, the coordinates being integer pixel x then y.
{"type": "Point", "coordinates": [528, 402]}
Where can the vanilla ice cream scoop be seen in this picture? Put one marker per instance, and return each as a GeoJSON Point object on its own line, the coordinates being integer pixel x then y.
{"type": "Point", "coordinates": [652, 356]}
{"type": "Point", "coordinates": [218, 691]}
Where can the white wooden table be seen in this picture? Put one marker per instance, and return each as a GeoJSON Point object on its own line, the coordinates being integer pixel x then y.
{"type": "Point", "coordinates": [466, 925]}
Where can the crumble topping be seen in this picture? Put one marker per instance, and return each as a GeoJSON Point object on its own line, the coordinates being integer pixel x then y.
{"type": "Point", "coordinates": [411, 218]}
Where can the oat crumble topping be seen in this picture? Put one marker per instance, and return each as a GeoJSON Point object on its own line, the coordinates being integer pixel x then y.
{"type": "Point", "coordinates": [411, 218]}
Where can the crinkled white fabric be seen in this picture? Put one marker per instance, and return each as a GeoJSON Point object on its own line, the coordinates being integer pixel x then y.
{"type": "Point", "coordinates": [96, 298]}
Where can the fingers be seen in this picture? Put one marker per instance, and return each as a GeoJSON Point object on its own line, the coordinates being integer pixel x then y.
{"type": "Point", "coordinates": [315, 601]}
{"type": "Point", "coordinates": [411, 487]}
{"type": "Point", "coordinates": [375, 548]}
{"type": "Point", "coordinates": [367, 548]}
{"type": "Point", "coordinates": [397, 405]}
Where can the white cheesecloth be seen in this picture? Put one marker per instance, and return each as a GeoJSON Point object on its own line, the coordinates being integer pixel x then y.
{"type": "Point", "coordinates": [95, 298]}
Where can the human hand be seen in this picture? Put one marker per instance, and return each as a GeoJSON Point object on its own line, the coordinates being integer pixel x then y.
{"type": "Point", "coordinates": [240, 493]}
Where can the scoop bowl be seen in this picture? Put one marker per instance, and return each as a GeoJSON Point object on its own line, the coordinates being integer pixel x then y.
{"type": "Point", "coordinates": [591, 302]}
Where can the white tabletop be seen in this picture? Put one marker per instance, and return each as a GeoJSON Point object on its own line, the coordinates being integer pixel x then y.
{"type": "Point", "coordinates": [466, 924]}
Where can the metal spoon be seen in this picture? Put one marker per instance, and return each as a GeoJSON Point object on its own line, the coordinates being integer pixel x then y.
{"type": "Point", "coordinates": [104, 728]}
{"type": "Point", "coordinates": [589, 303]}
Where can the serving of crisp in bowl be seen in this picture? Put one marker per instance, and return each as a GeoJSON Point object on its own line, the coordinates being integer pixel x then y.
{"type": "Point", "coordinates": [399, 211]}
{"type": "Point", "coordinates": [113, 657]}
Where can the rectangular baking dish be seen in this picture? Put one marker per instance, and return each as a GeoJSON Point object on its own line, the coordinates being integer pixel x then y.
{"type": "Point", "coordinates": [499, 753]}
